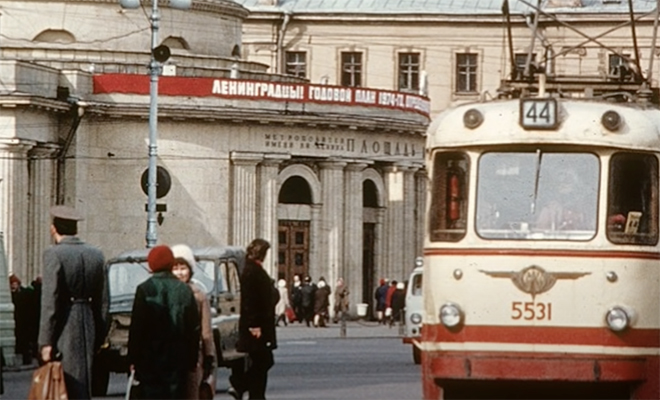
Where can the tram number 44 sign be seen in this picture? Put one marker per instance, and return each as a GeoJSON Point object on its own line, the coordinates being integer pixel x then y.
{"type": "Point", "coordinates": [530, 310]}
{"type": "Point", "coordinates": [540, 113]}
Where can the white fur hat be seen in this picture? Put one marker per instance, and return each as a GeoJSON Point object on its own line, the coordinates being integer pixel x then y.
{"type": "Point", "coordinates": [185, 253]}
{"type": "Point", "coordinates": [399, 285]}
{"type": "Point", "coordinates": [281, 283]}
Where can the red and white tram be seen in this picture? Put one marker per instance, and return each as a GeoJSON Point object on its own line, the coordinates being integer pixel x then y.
{"type": "Point", "coordinates": [542, 255]}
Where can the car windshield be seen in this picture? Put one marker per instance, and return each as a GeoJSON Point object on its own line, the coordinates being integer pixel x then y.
{"type": "Point", "coordinates": [537, 195]}
{"type": "Point", "coordinates": [124, 278]}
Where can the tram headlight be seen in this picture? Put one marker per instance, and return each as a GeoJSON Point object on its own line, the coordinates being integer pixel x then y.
{"type": "Point", "coordinates": [611, 120]}
{"type": "Point", "coordinates": [416, 318]}
{"type": "Point", "coordinates": [451, 315]}
{"type": "Point", "coordinates": [618, 318]}
{"type": "Point", "coordinates": [472, 118]}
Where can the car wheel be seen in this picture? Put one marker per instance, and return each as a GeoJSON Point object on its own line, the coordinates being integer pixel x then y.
{"type": "Point", "coordinates": [417, 354]}
{"type": "Point", "coordinates": [100, 379]}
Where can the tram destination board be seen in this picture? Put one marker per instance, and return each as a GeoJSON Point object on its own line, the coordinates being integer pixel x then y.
{"type": "Point", "coordinates": [538, 113]}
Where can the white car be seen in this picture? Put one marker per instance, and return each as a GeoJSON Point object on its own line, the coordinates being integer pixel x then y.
{"type": "Point", "coordinates": [414, 310]}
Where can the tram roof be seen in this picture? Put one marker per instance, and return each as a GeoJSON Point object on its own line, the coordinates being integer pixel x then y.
{"type": "Point", "coordinates": [448, 7]}
{"type": "Point", "coordinates": [579, 123]}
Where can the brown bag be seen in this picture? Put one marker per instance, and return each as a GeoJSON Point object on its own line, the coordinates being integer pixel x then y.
{"type": "Point", "coordinates": [48, 383]}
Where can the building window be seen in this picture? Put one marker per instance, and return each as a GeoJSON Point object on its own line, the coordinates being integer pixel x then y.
{"type": "Point", "coordinates": [409, 72]}
{"type": "Point", "coordinates": [466, 73]}
{"type": "Point", "coordinates": [296, 63]}
{"type": "Point", "coordinates": [351, 69]}
{"type": "Point", "coordinates": [618, 67]}
{"type": "Point", "coordinates": [520, 60]}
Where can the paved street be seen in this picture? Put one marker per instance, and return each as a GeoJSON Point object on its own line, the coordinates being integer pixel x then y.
{"type": "Point", "coordinates": [313, 363]}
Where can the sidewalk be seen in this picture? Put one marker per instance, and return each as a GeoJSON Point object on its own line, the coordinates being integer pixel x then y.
{"type": "Point", "coordinates": [354, 329]}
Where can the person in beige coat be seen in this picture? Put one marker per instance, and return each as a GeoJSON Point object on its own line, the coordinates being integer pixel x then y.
{"type": "Point", "coordinates": [184, 261]}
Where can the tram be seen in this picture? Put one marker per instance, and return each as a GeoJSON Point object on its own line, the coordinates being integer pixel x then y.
{"type": "Point", "coordinates": [542, 258]}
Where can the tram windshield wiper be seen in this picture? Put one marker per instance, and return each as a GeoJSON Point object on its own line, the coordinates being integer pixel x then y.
{"type": "Point", "coordinates": [537, 175]}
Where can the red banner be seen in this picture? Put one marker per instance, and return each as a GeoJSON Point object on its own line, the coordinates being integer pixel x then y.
{"type": "Point", "coordinates": [260, 90]}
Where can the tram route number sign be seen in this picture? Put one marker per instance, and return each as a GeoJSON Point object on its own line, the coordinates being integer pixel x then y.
{"type": "Point", "coordinates": [538, 113]}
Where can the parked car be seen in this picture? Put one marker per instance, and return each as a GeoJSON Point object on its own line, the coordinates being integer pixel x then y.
{"type": "Point", "coordinates": [414, 310]}
{"type": "Point", "coordinates": [217, 273]}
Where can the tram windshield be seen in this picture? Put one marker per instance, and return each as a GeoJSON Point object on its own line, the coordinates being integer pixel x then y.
{"type": "Point", "coordinates": [537, 195]}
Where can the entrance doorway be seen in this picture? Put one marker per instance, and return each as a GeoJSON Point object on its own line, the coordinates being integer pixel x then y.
{"type": "Point", "coordinates": [368, 243]}
{"type": "Point", "coordinates": [293, 249]}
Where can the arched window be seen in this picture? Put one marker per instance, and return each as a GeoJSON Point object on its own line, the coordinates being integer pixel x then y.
{"type": "Point", "coordinates": [369, 194]}
{"type": "Point", "coordinates": [176, 42]}
{"type": "Point", "coordinates": [295, 190]}
{"type": "Point", "coordinates": [55, 36]}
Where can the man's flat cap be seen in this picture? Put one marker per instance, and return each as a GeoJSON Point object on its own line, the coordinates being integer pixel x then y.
{"type": "Point", "coordinates": [65, 212]}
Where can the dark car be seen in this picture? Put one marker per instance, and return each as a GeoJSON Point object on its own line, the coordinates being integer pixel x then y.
{"type": "Point", "coordinates": [217, 273]}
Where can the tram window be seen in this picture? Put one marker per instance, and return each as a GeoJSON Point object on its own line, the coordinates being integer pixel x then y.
{"type": "Point", "coordinates": [448, 214]}
{"type": "Point", "coordinates": [632, 204]}
{"type": "Point", "coordinates": [537, 195]}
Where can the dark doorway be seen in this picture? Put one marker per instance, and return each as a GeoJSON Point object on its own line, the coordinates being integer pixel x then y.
{"type": "Point", "coordinates": [368, 243]}
{"type": "Point", "coordinates": [293, 249]}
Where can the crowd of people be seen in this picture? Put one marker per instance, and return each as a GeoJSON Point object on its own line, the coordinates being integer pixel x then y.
{"type": "Point", "coordinates": [171, 348]}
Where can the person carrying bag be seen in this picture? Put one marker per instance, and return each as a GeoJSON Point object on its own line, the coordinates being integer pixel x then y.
{"type": "Point", "coordinates": [48, 383]}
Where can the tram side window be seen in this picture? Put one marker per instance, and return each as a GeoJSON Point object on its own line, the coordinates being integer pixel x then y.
{"type": "Point", "coordinates": [632, 207]}
{"type": "Point", "coordinates": [448, 213]}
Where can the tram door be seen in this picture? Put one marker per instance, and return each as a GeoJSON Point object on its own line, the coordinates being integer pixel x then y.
{"type": "Point", "coordinates": [293, 249]}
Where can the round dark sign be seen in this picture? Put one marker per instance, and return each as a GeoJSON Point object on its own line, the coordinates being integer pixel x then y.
{"type": "Point", "coordinates": [163, 182]}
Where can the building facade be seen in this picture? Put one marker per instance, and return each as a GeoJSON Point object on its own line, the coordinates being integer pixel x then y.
{"type": "Point", "coordinates": [333, 177]}
{"type": "Point", "coordinates": [452, 51]}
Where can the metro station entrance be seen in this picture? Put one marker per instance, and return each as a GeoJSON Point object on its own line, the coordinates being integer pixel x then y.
{"type": "Point", "coordinates": [293, 249]}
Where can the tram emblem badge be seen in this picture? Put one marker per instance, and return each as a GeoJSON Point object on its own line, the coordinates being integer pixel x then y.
{"type": "Point", "coordinates": [534, 279]}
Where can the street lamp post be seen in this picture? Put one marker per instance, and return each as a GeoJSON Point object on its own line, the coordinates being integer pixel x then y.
{"type": "Point", "coordinates": [159, 54]}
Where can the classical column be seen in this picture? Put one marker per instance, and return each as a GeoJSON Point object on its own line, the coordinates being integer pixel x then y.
{"type": "Point", "coordinates": [7, 338]}
{"type": "Point", "coordinates": [393, 233]}
{"type": "Point", "coordinates": [315, 248]}
{"type": "Point", "coordinates": [14, 203]}
{"type": "Point", "coordinates": [332, 220]}
{"type": "Point", "coordinates": [409, 223]}
{"type": "Point", "coordinates": [421, 182]}
{"type": "Point", "coordinates": [351, 266]}
{"type": "Point", "coordinates": [41, 198]}
{"type": "Point", "coordinates": [244, 197]}
{"type": "Point", "coordinates": [267, 212]}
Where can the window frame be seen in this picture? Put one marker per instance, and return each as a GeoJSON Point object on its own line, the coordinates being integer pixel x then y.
{"type": "Point", "coordinates": [458, 65]}
{"type": "Point", "coordinates": [406, 72]}
{"type": "Point", "coordinates": [360, 73]}
{"type": "Point", "coordinates": [296, 64]}
{"type": "Point", "coordinates": [439, 210]}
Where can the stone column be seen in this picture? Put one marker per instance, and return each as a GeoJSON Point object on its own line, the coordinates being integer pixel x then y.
{"type": "Point", "coordinates": [332, 221]}
{"type": "Point", "coordinates": [421, 182]}
{"type": "Point", "coordinates": [393, 225]}
{"type": "Point", "coordinates": [267, 212]}
{"type": "Point", "coordinates": [14, 203]}
{"type": "Point", "coordinates": [41, 198]}
{"type": "Point", "coordinates": [243, 195]}
{"type": "Point", "coordinates": [351, 266]}
{"type": "Point", "coordinates": [315, 248]}
{"type": "Point", "coordinates": [7, 338]}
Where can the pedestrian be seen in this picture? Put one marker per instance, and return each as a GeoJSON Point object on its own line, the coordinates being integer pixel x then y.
{"type": "Point", "coordinates": [398, 303]}
{"type": "Point", "coordinates": [23, 300]}
{"type": "Point", "coordinates": [163, 339]}
{"type": "Point", "coordinates": [341, 300]}
{"type": "Point", "coordinates": [283, 304]}
{"type": "Point", "coordinates": [321, 303]}
{"type": "Point", "coordinates": [74, 302]}
{"type": "Point", "coordinates": [296, 298]}
{"type": "Point", "coordinates": [380, 295]}
{"type": "Point", "coordinates": [308, 292]}
{"type": "Point", "coordinates": [204, 373]}
{"type": "Point", "coordinates": [388, 301]}
{"type": "Point", "coordinates": [35, 315]}
{"type": "Point", "coordinates": [256, 325]}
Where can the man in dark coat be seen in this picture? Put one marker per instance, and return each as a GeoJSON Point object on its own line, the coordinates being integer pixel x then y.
{"type": "Point", "coordinates": [308, 291]}
{"type": "Point", "coordinates": [256, 325]}
{"type": "Point", "coordinates": [163, 340]}
{"type": "Point", "coordinates": [74, 303]}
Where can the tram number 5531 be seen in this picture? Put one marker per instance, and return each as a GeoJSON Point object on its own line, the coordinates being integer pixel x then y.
{"type": "Point", "coordinates": [540, 113]}
{"type": "Point", "coordinates": [530, 310]}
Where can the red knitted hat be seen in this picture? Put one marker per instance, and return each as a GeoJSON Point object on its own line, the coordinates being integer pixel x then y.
{"type": "Point", "coordinates": [13, 278]}
{"type": "Point", "coordinates": [160, 258]}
